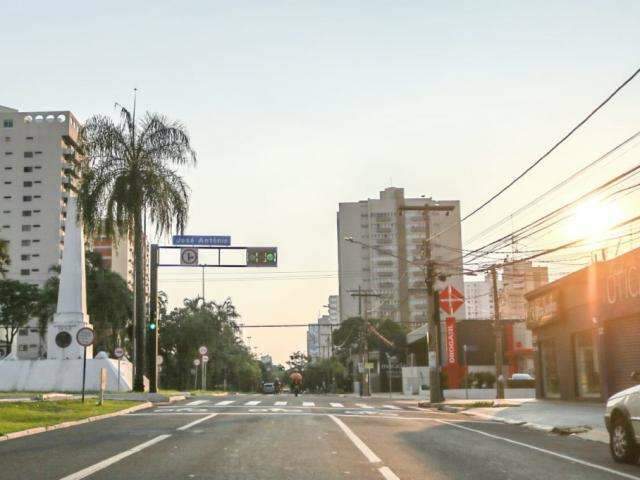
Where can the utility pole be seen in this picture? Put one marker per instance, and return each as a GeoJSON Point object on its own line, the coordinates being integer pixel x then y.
{"type": "Point", "coordinates": [497, 327]}
{"type": "Point", "coordinates": [365, 344]}
{"type": "Point", "coordinates": [433, 344]}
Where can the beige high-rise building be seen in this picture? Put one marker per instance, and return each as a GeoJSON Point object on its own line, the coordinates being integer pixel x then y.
{"type": "Point", "coordinates": [387, 256]}
{"type": "Point", "coordinates": [38, 163]}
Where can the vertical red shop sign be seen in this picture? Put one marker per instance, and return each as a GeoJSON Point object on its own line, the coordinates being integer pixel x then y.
{"type": "Point", "coordinates": [452, 353]}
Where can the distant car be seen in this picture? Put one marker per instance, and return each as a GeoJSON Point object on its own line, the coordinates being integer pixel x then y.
{"type": "Point", "coordinates": [622, 418]}
{"type": "Point", "coordinates": [521, 376]}
{"type": "Point", "coordinates": [268, 388]}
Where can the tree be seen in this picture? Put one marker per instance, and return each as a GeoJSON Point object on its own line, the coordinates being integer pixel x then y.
{"type": "Point", "coordinates": [4, 257]}
{"type": "Point", "coordinates": [18, 303]}
{"type": "Point", "coordinates": [298, 361]}
{"type": "Point", "coordinates": [129, 174]}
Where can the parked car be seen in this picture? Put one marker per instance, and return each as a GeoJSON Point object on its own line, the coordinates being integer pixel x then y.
{"type": "Point", "coordinates": [521, 380]}
{"type": "Point", "coordinates": [521, 376]}
{"type": "Point", "coordinates": [268, 388]}
{"type": "Point", "coordinates": [622, 418]}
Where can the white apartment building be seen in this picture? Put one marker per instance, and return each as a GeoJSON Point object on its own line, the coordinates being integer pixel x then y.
{"type": "Point", "coordinates": [478, 299]}
{"type": "Point", "coordinates": [334, 309]}
{"type": "Point", "coordinates": [386, 256]}
{"type": "Point", "coordinates": [37, 163]}
{"type": "Point", "coordinates": [319, 339]}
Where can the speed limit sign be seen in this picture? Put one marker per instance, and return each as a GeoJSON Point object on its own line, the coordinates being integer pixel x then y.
{"type": "Point", "coordinates": [203, 350]}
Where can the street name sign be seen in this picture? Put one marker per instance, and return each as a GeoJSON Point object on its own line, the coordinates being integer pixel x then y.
{"type": "Point", "coordinates": [208, 240]}
{"type": "Point", "coordinates": [262, 257]}
{"type": "Point", "coordinates": [189, 256]}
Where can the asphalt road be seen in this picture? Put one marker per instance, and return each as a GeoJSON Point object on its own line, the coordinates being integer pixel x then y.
{"type": "Point", "coordinates": [309, 437]}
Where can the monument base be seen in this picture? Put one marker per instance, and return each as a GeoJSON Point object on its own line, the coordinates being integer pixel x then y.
{"type": "Point", "coordinates": [63, 375]}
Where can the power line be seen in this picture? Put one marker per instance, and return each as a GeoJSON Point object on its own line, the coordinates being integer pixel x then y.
{"type": "Point", "coordinates": [553, 148]}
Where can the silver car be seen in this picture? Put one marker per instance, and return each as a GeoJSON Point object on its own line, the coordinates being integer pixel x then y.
{"type": "Point", "coordinates": [622, 418]}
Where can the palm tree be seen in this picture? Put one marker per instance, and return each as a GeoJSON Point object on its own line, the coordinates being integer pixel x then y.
{"type": "Point", "coordinates": [4, 257]}
{"type": "Point", "coordinates": [129, 174]}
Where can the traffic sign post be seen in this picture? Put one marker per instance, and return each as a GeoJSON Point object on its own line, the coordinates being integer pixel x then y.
{"type": "Point", "coordinates": [85, 337]}
{"type": "Point", "coordinates": [189, 256]}
{"type": "Point", "coordinates": [196, 362]}
{"type": "Point", "coordinates": [205, 359]}
{"type": "Point", "coordinates": [118, 352]}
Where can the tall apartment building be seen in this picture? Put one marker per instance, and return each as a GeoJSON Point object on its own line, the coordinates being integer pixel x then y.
{"type": "Point", "coordinates": [117, 255]}
{"type": "Point", "coordinates": [319, 339]}
{"type": "Point", "coordinates": [37, 165]}
{"type": "Point", "coordinates": [478, 299]}
{"type": "Point", "coordinates": [334, 309]}
{"type": "Point", "coordinates": [387, 256]}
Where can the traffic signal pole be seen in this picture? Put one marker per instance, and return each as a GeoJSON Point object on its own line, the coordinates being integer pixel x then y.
{"type": "Point", "coordinates": [497, 328]}
{"type": "Point", "coordinates": [153, 318]}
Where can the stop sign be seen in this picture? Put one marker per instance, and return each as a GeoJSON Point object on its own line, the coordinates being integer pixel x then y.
{"type": "Point", "coordinates": [451, 300]}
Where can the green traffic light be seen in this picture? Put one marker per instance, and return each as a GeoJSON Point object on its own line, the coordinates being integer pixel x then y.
{"type": "Point", "coordinates": [152, 326]}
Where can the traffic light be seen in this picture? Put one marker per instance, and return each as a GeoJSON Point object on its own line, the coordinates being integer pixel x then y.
{"type": "Point", "coordinates": [262, 257]}
{"type": "Point", "coordinates": [152, 326]}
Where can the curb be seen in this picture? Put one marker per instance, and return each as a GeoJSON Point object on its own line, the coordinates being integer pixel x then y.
{"type": "Point", "coordinates": [34, 431]}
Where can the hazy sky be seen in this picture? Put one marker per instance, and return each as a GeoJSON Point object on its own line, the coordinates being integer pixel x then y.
{"type": "Point", "coordinates": [294, 106]}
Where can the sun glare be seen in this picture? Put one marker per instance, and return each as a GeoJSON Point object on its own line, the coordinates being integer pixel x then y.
{"type": "Point", "coordinates": [593, 220]}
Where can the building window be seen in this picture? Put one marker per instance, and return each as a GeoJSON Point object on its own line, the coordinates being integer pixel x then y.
{"type": "Point", "coordinates": [7, 197]}
{"type": "Point", "coordinates": [7, 123]}
{"type": "Point", "coordinates": [36, 211]}
{"type": "Point", "coordinates": [36, 241]}
{"type": "Point", "coordinates": [26, 213]}
{"type": "Point", "coordinates": [25, 258]}
{"type": "Point", "coordinates": [25, 271]}
{"type": "Point", "coordinates": [29, 138]}
{"type": "Point", "coordinates": [36, 226]}
{"type": "Point", "coordinates": [38, 167]}
{"type": "Point", "coordinates": [35, 269]}
{"type": "Point", "coordinates": [27, 184]}
{"type": "Point", "coordinates": [25, 243]}
{"type": "Point", "coordinates": [549, 364]}
{"type": "Point", "coordinates": [7, 183]}
{"type": "Point", "coordinates": [587, 365]}
{"type": "Point", "coordinates": [26, 198]}
{"type": "Point", "coordinates": [28, 154]}
{"type": "Point", "coordinates": [6, 226]}
{"type": "Point", "coordinates": [27, 169]}
{"type": "Point", "coordinates": [37, 196]}
{"type": "Point", "coordinates": [8, 153]}
{"type": "Point", "coordinates": [26, 228]}
{"type": "Point", "coordinates": [8, 168]}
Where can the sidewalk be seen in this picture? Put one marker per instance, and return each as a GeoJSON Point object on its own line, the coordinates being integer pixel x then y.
{"type": "Point", "coordinates": [585, 420]}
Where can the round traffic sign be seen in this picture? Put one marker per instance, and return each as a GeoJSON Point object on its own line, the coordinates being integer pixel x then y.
{"type": "Point", "coordinates": [118, 352]}
{"type": "Point", "coordinates": [188, 256]}
{"type": "Point", "coordinates": [196, 362]}
{"type": "Point", "coordinates": [159, 360]}
{"type": "Point", "coordinates": [205, 358]}
{"type": "Point", "coordinates": [203, 350]}
{"type": "Point", "coordinates": [85, 336]}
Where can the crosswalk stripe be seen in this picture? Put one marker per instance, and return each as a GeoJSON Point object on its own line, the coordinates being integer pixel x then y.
{"type": "Point", "coordinates": [363, 405]}
{"type": "Point", "coordinates": [225, 402]}
{"type": "Point", "coordinates": [280, 404]}
{"type": "Point", "coordinates": [253, 403]}
{"type": "Point", "coordinates": [308, 404]}
{"type": "Point", "coordinates": [336, 405]}
{"type": "Point", "coordinates": [197, 402]}
{"type": "Point", "coordinates": [391, 407]}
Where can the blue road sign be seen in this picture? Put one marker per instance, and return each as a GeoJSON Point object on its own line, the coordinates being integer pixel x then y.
{"type": "Point", "coordinates": [217, 240]}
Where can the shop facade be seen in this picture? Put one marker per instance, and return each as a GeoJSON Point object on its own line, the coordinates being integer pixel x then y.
{"type": "Point", "coordinates": [586, 331]}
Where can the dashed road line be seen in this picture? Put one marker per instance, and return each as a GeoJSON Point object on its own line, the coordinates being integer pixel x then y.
{"type": "Point", "coordinates": [391, 407]}
{"type": "Point", "coordinates": [253, 403]}
{"type": "Point", "coordinates": [363, 405]}
{"type": "Point", "coordinates": [197, 402]}
{"type": "Point", "coordinates": [280, 404]}
{"type": "Point", "coordinates": [336, 405]}
{"type": "Point", "coordinates": [224, 403]}
{"type": "Point", "coordinates": [196, 422]}
{"type": "Point", "coordinates": [84, 473]}
{"type": "Point", "coordinates": [308, 404]}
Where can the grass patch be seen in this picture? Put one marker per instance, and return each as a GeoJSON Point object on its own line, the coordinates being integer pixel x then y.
{"type": "Point", "coordinates": [22, 416]}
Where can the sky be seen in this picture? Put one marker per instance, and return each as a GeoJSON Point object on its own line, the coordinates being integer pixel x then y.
{"type": "Point", "coordinates": [295, 106]}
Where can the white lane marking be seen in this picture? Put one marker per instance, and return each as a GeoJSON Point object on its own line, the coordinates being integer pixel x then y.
{"type": "Point", "coordinates": [253, 403]}
{"type": "Point", "coordinates": [224, 402]}
{"type": "Point", "coordinates": [542, 450]}
{"type": "Point", "coordinates": [200, 420]}
{"type": "Point", "coordinates": [280, 404]}
{"type": "Point", "coordinates": [391, 407]}
{"type": "Point", "coordinates": [197, 402]}
{"type": "Point", "coordinates": [308, 404]}
{"type": "Point", "coordinates": [336, 405]}
{"type": "Point", "coordinates": [111, 460]}
{"type": "Point", "coordinates": [388, 474]}
{"type": "Point", "coordinates": [363, 405]}
{"type": "Point", "coordinates": [360, 445]}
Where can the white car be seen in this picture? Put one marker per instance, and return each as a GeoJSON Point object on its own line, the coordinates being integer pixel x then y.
{"type": "Point", "coordinates": [622, 418]}
{"type": "Point", "coordinates": [521, 376]}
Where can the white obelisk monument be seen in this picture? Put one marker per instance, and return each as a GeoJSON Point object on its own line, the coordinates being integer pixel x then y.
{"type": "Point", "coordinates": [62, 369]}
{"type": "Point", "coordinates": [71, 313]}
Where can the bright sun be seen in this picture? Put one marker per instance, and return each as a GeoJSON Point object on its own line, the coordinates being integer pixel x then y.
{"type": "Point", "coordinates": [592, 220]}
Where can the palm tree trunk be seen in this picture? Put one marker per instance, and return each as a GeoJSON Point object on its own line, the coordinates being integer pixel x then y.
{"type": "Point", "coordinates": [140, 330]}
